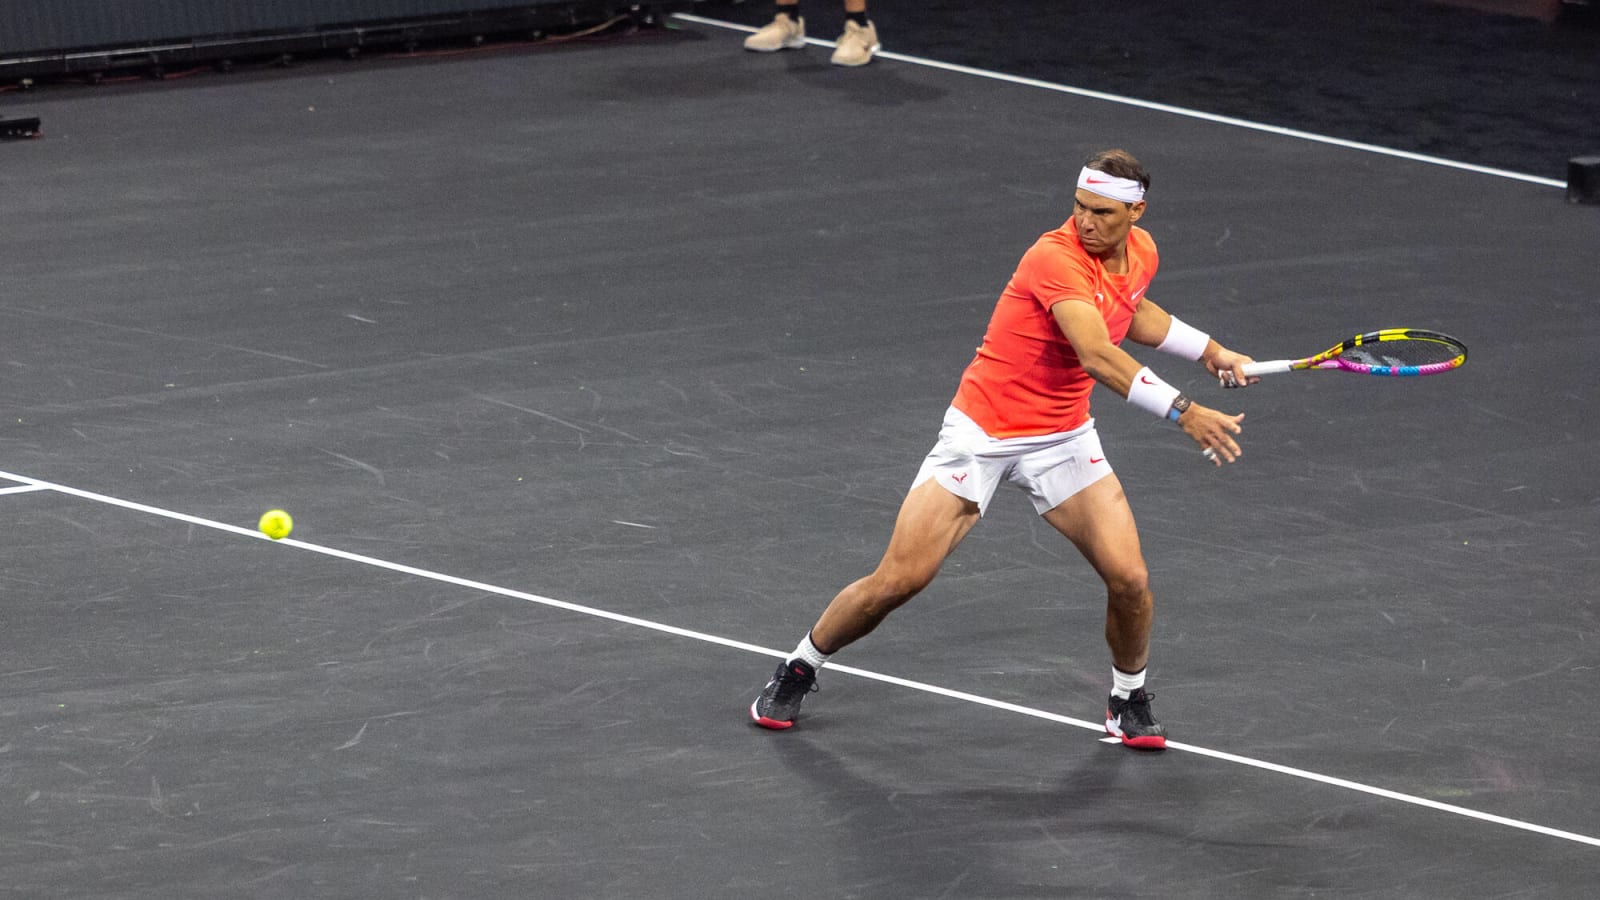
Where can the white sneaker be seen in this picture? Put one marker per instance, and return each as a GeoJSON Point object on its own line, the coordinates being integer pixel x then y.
{"type": "Point", "coordinates": [856, 45]}
{"type": "Point", "coordinates": [782, 33]}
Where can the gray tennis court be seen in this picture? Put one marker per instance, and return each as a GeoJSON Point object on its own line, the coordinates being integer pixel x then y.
{"type": "Point", "coordinates": [590, 372]}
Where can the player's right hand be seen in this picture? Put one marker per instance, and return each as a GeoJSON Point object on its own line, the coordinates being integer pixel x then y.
{"type": "Point", "coordinates": [1227, 365]}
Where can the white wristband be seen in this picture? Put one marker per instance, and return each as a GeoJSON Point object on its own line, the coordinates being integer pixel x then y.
{"type": "Point", "coordinates": [1150, 393]}
{"type": "Point", "coordinates": [1184, 340]}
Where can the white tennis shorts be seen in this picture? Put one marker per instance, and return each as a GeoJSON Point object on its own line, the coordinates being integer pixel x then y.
{"type": "Point", "coordinates": [1049, 467]}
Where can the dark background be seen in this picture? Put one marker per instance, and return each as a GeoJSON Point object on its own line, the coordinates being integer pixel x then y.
{"type": "Point", "coordinates": [1512, 92]}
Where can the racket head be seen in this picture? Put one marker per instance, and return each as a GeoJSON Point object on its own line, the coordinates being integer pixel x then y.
{"type": "Point", "coordinates": [1394, 351]}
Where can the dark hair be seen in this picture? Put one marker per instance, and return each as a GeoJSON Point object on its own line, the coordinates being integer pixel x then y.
{"type": "Point", "coordinates": [1120, 163]}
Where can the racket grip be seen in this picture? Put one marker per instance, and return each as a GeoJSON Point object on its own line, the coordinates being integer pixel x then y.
{"type": "Point", "coordinates": [1270, 367]}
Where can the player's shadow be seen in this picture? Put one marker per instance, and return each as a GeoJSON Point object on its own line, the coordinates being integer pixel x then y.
{"type": "Point", "coordinates": [1067, 836]}
{"type": "Point", "coordinates": [957, 843]}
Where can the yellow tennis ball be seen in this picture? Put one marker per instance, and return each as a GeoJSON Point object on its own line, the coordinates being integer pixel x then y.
{"type": "Point", "coordinates": [275, 524]}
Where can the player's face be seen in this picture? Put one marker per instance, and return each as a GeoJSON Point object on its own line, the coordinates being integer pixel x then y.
{"type": "Point", "coordinates": [1103, 224]}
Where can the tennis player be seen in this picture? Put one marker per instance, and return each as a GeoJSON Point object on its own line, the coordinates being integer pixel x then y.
{"type": "Point", "coordinates": [1021, 415]}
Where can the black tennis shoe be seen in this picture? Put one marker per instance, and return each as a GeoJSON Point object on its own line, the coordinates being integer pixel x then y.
{"type": "Point", "coordinates": [779, 702]}
{"type": "Point", "coordinates": [1131, 720]}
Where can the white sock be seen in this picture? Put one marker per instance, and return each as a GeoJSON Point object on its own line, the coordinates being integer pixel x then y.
{"type": "Point", "coordinates": [809, 652]}
{"type": "Point", "coordinates": [1123, 684]}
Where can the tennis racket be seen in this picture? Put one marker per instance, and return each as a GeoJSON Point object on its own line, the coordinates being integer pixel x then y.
{"type": "Point", "coordinates": [1392, 351]}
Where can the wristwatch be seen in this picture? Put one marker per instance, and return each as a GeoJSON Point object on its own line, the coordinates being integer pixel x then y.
{"type": "Point", "coordinates": [1180, 405]}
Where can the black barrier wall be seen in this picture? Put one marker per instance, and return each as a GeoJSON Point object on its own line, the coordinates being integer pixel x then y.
{"type": "Point", "coordinates": [33, 25]}
{"type": "Point", "coordinates": [62, 37]}
{"type": "Point", "coordinates": [58, 24]}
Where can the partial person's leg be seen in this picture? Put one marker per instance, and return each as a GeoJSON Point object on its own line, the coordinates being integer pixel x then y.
{"type": "Point", "coordinates": [1099, 522]}
{"type": "Point", "coordinates": [931, 522]}
{"type": "Point", "coordinates": [786, 31]}
{"type": "Point", "coordinates": [859, 42]}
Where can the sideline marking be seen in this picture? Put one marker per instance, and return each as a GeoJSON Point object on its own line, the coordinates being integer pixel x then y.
{"type": "Point", "coordinates": [1167, 108]}
{"type": "Point", "coordinates": [34, 484]}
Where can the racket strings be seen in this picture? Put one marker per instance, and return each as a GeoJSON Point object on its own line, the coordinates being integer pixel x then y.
{"type": "Point", "coordinates": [1404, 352]}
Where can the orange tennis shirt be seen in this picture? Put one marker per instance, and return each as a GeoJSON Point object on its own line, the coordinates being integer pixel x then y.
{"type": "Point", "coordinates": [1026, 378]}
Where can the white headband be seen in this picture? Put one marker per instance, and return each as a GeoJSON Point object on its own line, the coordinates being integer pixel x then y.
{"type": "Point", "coordinates": [1097, 182]}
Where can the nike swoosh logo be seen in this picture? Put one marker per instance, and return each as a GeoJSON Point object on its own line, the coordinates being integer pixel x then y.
{"type": "Point", "coordinates": [1135, 294]}
{"type": "Point", "coordinates": [1146, 379]}
{"type": "Point", "coordinates": [1093, 180]}
{"type": "Point", "coordinates": [1092, 460]}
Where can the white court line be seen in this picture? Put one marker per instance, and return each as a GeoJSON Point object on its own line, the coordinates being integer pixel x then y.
{"type": "Point", "coordinates": [37, 485]}
{"type": "Point", "coordinates": [1166, 108]}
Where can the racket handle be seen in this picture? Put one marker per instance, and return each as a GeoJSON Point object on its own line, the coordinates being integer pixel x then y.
{"type": "Point", "coordinates": [1270, 367]}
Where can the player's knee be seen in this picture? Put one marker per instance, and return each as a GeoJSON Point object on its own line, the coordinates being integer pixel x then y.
{"type": "Point", "coordinates": [894, 586]}
{"type": "Point", "coordinates": [1128, 585]}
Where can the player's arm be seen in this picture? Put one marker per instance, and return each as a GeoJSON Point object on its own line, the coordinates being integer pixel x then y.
{"type": "Point", "coordinates": [1155, 327]}
{"type": "Point", "coordinates": [1110, 365]}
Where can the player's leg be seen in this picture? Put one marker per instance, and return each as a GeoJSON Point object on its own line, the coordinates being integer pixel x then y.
{"type": "Point", "coordinates": [1099, 522]}
{"type": "Point", "coordinates": [931, 523]}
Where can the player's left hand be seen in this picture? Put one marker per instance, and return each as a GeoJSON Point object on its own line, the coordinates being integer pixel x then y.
{"type": "Point", "coordinates": [1214, 432]}
{"type": "Point", "coordinates": [1226, 366]}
